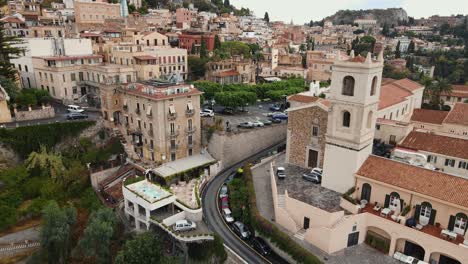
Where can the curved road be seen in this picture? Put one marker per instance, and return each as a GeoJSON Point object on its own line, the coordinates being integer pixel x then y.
{"type": "Point", "coordinates": [215, 221]}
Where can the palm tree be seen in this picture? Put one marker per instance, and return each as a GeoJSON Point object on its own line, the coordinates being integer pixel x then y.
{"type": "Point", "coordinates": [48, 163]}
{"type": "Point", "coordinates": [434, 89]}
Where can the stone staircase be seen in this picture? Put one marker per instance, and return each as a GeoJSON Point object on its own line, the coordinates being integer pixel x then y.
{"type": "Point", "coordinates": [281, 201]}
{"type": "Point", "coordinates": [300, 234]}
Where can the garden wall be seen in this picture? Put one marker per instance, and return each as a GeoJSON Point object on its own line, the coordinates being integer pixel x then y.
{"type": "Point", "coordinates": [41, 113]}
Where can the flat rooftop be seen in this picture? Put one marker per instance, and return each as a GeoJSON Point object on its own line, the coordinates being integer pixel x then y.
{"type": "Point", "coordinates": [149, 191]}
{"type": "Point", "coordinates": [185, 164]}
{"type": "Point", "coordinates": [306, 191]}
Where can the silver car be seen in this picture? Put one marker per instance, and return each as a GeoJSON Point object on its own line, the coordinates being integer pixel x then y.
{"type": "Point", "coordinates": [184, 225]}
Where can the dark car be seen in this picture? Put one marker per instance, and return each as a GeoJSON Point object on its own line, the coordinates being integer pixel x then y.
{"type": "Point", "coordinates": [276, 121]}
{"type": "Point", "coordinates": [313, 177]}
{"type": "Point", "coordinates": [274, 107]}
{"type": "Point", "coordinates": [228, 111]}
{"type": "Point", "coordinates": [73, 116]}
{"type": "Point", "coordinates": [261, 246]}
{"type": "Point", "coordinates": [241, 230]}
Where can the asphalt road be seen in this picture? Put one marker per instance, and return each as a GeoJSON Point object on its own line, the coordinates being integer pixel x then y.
{"type": "Point", "coordinates": [60, 116]}
{"type": "Point", "coordinates": [216, 223]}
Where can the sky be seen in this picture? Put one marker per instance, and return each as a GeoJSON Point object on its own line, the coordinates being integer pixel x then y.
{"type": "Point", "coordinates": [302, 11]}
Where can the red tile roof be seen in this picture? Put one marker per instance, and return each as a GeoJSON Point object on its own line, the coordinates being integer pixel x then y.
{"type": "Point", "coordinates": [303, 98]}
{"type": "Point", "coordinates": [391, 94]}
{"type": "Point", "coordinates": [435, 184]}
{"type": "Point", "coordinates": [145, 57]}
{"type": "Point", "coordinates": [449, 146]}
{"type": "Point", "coordinates": [408, 84]}
{"type": "Point", "coordinates": [358, 58]}
{"type": "Point", "coordinates": [458, 115]}
{"type": "Point", "coordinates": [429, 116]}
{"type": "Point", "coordinates": [227, 73]}
{"type": "Point", "coordinates": [62, 58]}
{"type": "Point", "coordinates": [12, 20]}
{"type": "Point", "coordinates": [460, 88]}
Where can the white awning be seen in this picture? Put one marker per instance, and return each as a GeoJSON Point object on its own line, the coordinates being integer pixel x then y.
{"type": "Point", "coordinates": [148, 110]}
{"type": "Point", "coordinates": [171, 110]}
{"type": "Point", "coordinates": [190, 106]}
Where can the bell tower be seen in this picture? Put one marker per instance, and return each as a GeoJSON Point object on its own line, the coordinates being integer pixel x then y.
{"type": "Point", "coordinates": [354, 97]}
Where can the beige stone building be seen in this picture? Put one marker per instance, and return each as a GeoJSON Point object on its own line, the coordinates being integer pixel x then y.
{"type": "Point", "coordinates": [160, 120]}
{"type": "Point", "coordinates": [5, 114]}
{"type": "Point", "coordinates": [95, 12]}
{"type": "Point", "coordinates": [231, 71]}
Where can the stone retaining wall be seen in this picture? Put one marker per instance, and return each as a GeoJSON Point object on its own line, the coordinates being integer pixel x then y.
{"type": "Point", "coordinates": [32, 114]}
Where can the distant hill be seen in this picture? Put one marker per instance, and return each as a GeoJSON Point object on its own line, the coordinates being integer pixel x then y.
{"type": "Point", "coordinates": [389, 16]}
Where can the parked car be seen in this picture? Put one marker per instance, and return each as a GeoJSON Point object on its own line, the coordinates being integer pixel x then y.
{"type": "Point", "coordinates": [241, 230]}
{"type": "Point", "coordinates": [257, 124]}
{"type": "Point", "coordinates": [266, 122]}
{"type": "Point", "coordinates": [313, 177]}
{"type": "Point", "coordinates": [280, 116]}
{"type": "Point", "coordinates": [246, 125]}
{"type": "Point", "coordinates": [273, 113]}
{"type": "Point", "coordinates": [261, 246]}
{"type": "Point", "coordinates": [206, 112]}
{"type": "Point", "coordinates": [73, 116]}
{"type": "Point", "coordinates": [228, 111]}
{"type": "Point", "coordinates": [223, 192]}
{"type": "Point", "coordinates": [280, 172]}
{"type": "Point", "coordinates": [75, 109]}
{"type": "Point", "coordinates": [227, 215]}
{"type": "Point", "coordinates": [317, 170]}
{"type": "Point", "coordinates": [224, 202]}
{"type": "Point", "coordinates": [276, 121]}
{"type": "Point", "coordinates": [275, 107]}
{"type": "Point", "coordinates": [184, 225]}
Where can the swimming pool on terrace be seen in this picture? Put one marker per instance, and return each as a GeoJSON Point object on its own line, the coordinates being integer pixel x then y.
{"type": "Point", "coordinates": [149, 191]}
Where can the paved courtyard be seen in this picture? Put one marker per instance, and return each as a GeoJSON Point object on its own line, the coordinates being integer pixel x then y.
{"type": "Point", "coordinates": [360, 254]}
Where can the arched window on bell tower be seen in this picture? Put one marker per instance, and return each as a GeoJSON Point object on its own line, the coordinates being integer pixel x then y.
{"type": "Point", "coordinates": [346, 119]}
{"type": "Point", "coordinates": [348, 86]}
{"type": "Point", "coordinates": [374, 86]}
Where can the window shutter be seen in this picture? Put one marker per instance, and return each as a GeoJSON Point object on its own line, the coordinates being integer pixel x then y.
{"type": "Point", "coordinates": [417, 212]}
{"type": "Point", "coordinates": [387, 201]}
{"type": "Point", "coordinates": [432, 218]}
{"type": "Point", "coordinates": [451, 223]}
{"type": "Point", "coordinates": [402, 203]}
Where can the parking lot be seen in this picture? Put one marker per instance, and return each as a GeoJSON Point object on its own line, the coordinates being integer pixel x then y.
{"type": "Point", "coordinates": [257, 112]}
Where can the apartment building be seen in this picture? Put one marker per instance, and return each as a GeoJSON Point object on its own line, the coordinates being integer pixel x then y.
{"type": "Point", "coordinates": [189, 39]}
{"type": "Point", "coordinates": [151, 61]}
{"type": "Point", "coordinates": [231, 71]}
{"type": "Point", "coordinates": [95, 12]}
{"type": "Point", "coordinates": [447, 154]}
{"type": "Point", "coordinates": [46, 47]}
{"type": "Point", "coordinates": [459, 94]}
{"type": "Point", "coordinates": [160, 119]}
{"type": "Point", "coordinates": [453, 123]}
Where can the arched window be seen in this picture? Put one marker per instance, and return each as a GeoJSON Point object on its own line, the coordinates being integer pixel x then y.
{"type": "Point", "coordinates": [460, 223]}
{"type": "Point", "coordinates": [425, 213]}
{"type": "Point", "coordinates": [369, 119]}
{"type": "Point", "coordinates": [374, 86]}
{"type": "Point", "coordinates": [346, 119]}
{"type": "Point", "coordinates": [348, 86]}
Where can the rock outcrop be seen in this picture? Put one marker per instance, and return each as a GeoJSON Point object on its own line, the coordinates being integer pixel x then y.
{"type": "Point", "coordinates": [391, 16]}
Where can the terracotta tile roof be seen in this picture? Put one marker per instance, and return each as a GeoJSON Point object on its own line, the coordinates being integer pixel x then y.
{"type": "Point", "coordinates": [358, 58]}
{"type": "Point", "coordinates": [391, 94]}
{"type": "Point", "coordinates": [458, 115]}
{"type": "Point", "coordinates": [408, 84]}
{"type": "Point", "coordinates": [429, 116]}
{"type": "Point", "coordinates": [61, 58]}
{"type": "Point", "coordinates": [158, 93]}
{"type": "Point", "coordinates": [387, 81]}
{"type": "Point", "coordinates": [12, 20]}
{"type": "Point", "coordinates": [449, 146]}
{"type": "Point", "coordinates": [303, 98]}
{"type": "Point", "coordinates": [460, 88]}
{"type": "Point", "coordinates": [435, 184]}
{"type": "Point", "coordinates": [227, 73]}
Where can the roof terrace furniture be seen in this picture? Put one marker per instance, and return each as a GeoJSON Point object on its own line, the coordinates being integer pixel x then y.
{"type": "Point", "coordinates": [386, 212]}
{"type": "Point", "coordinates": [449, 234]}
{"type": "Point", "coordinates": [376, 207]}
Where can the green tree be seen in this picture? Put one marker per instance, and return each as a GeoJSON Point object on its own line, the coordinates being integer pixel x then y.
{"type": "Point", "coordinates": [47, 163]}
{"type": "Point", "coordinates": [397, 51]}
{"type": "Point", "coordinates": [227, 3]}
{"type": "Point", "coordinates": [10, 87]}
{"type": "Point", "coordinates": [203, 49]}
{"type": "Point", "coordinates": [217, 42]}
{"type": "Point", "coordinates": [143, 249]}
{"type": "Point", "coordinates": [7, 215]}
{"type": "Point", "coordinates": [56, 231]}
{"type": "Point", "coordinates": [385, 29]}
{"type": "Point", "coordinates": [131, 8]}
{"type": "Point", "coordinates": [239, 200]}
{"type": "Point", "coordinates": [8, 50]}
{"type": "Point", "coordinates": [266, 17]}
{"type": "Point", "coordinates": [411, 47]}
{"type": "Point", "coordinates": [97, 237]}
{"type": "Point", "coordinates": [196, 67]}
{"type": "Point", "coordinates": [193, 50]}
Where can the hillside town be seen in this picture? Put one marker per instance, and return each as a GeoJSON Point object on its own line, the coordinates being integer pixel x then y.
{"type": "Point", "coordinates": [199, 131]}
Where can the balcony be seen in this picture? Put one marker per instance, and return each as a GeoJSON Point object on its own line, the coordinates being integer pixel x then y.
{"type": "Point", "coordinates": [431, 230]}
{"type": "Point", "coordinates": [172, 117]}
{"type": "Point", "coordinates": [174, 147]}
{"type": "Point", "coordinates": [189, 113]}
{"type": "Point", "coordinates": [191, 144]}
{"type": "Point", "coordinates": [190, 130]}
{"type": "Point", "coordinates": [173, 134]}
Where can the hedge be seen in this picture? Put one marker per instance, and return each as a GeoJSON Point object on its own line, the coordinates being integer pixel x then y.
{"type": "Point", "coordinates": [264, 227]}
{"type": "Point", "coordinates": [24, 140]}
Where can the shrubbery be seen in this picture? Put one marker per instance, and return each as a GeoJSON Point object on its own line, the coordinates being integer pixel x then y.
{"type": "Point", "coordinates": [206, 251]}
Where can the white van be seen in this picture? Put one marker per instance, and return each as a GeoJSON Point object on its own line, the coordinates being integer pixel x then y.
{"type": "Point", "coordinates": [184, 225]}
{"type": "Point", "coordinates": [280, 172]}
{"type": "Point", "coordinates": [75, 109]}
